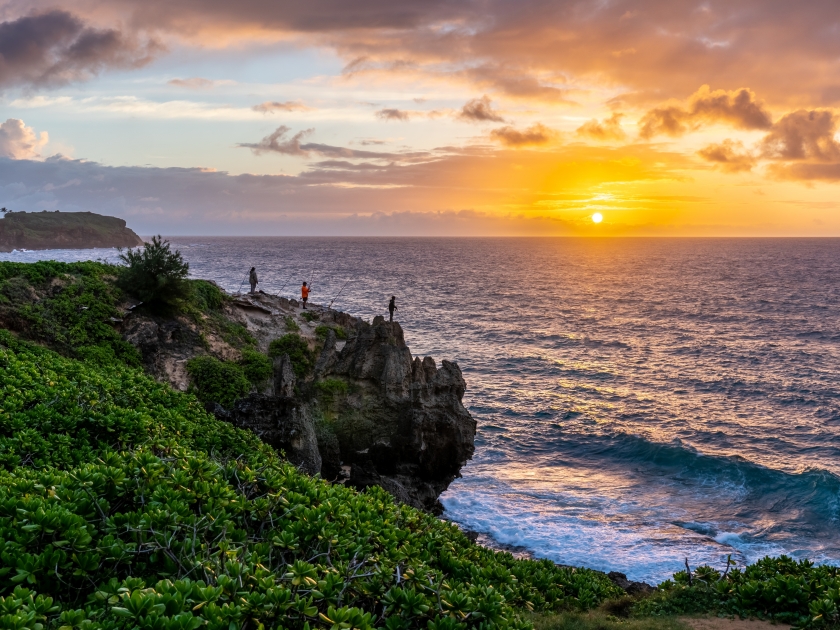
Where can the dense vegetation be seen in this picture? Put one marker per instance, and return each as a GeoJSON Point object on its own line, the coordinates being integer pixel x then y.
{"type": "Point", "coordinates": [67, 306]}
{"type": "Point", "coordinates": [142, 511]}
{"type": "Point", "coordinates": [216, 381]}
{"type": "Point", "coordinates": [778, 589]}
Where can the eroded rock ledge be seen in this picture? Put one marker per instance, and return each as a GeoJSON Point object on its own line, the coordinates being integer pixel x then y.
{"type": "Point", "coordinates": [369, 413]}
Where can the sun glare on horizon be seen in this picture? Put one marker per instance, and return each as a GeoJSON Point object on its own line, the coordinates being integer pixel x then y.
{"type": "Point", "coordinates": [597, 217]}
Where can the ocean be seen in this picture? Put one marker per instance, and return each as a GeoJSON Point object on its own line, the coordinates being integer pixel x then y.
{"type": "Point", "coordinates": [639, 401]}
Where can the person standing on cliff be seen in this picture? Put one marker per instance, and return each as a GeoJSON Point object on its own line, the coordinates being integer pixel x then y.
{"type": "Point", "coordinates": [304, 294]}
{"type": "Point", "coordinates": [252, 278]}
{"type": "Point", "coordinates": [392, 307]}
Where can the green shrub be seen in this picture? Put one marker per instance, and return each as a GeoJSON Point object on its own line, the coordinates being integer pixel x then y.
{"type": "Point", "coordinates": [256, 366]}
{"type": "Point", "coordinates": [291, 324]}
{"type": "Point", "coordinates": [233, 333]}
{"type": "Point", "coordinates": [322, 331]}
{"type": "Point", "coordinates": [217, 381]}
{"type": "Point", "coordinates": [303, 359]}
{"type": "Point", "coordinates": [207, 296]}
{"type": "Point", "coordinates": [331, 389]}
{"type": "Point", "coordinates": [309, 316]}
{"type": "Point", "coordinates": [155, 274]}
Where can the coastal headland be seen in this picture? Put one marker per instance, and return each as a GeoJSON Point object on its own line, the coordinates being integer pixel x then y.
{"type": "Point", "coordinates": [63, 230]}
{"type": "Point", "coordinates": [202, 467]}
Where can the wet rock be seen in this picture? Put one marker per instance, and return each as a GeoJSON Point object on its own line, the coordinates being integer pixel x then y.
{"type": "Point", "coordinates": [629, 587]}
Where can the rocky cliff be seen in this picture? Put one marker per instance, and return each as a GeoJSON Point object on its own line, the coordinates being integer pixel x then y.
{"type": "Point", "coordinates": [63, 230]}
{"type": "Point", "coordinates": [367, 413]}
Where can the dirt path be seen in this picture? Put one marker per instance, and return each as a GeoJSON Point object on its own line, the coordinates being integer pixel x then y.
{"type": "Point", "coordinates": [713, 623]}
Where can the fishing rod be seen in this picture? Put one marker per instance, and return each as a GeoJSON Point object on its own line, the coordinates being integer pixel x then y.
{"type": "Point", "coordinates": [285, 283]}
{"type": "Point", "coordinates": [243, 281]}
{"type": "Point", "coordinates": [339, 293]}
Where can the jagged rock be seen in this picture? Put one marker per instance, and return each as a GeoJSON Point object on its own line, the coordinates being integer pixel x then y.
{"type": "Point", "coordinates": [631, 588]}
{"type": "Point", "coordinates": [284, 377]}
{"type": "Point", "coordinates": [281, 424]}
{"type": "Point", "coordinates": [418, 434]}
{"type": "Point", "coordinates": [328, 356]}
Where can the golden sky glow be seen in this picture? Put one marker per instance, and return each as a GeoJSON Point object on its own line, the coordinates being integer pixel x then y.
{"type": "Point", "coordinates": [441, 118]}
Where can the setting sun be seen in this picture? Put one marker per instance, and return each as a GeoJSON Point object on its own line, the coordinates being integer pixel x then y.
{"type": "Point", "coordinates": [597, 217]}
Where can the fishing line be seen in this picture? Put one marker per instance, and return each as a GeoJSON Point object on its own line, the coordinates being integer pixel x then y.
{"type": "Point", "coordinates": [247, 273]}
{"type": "Point", "coordinates": [339, 293]}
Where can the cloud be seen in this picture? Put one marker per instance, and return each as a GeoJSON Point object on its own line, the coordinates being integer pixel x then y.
{"type": "Point", "coordinates": [194, 83]}
{"type": "Point", "coordinates": [55, 47]}
{"type": "Point", "coordinates": [607, 129]}
{"type": "Point", "coordinates": [537, 134]}
{"type": "Point", "coordinates": [269, 107]}
{"type": "Point", "coordinates": [803, 135]}
{"type": "Point", "coordinates": [19, 142]}
{"type": "Point", "coordinates": [729, 155]}
{"type": "Point", "coordinates": [393, 114]}
{"type": "Point", "coordinates": [276, 142]}
{"type": "Point", "coordinates": [738, 108]}
{"type": "Point", "coordinates": [479, 110]}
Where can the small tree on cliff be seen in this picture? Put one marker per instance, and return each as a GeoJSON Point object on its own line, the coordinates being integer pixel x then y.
{"type": "Point", "coordinates": [155, 274]}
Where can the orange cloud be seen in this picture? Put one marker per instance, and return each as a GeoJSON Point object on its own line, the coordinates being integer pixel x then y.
{"type": "Point", "coordinates": [607, 129]}
{"type": "Point", "coordinates": [535, 135]}
{"type": "Point", "coordinates": [739, 108]}
{"type": "Point", "coordinates": [804, 135]}
{"type": "Point", "coordinates": [479, 110]}
{"type": "Point", "coordinates": [729, 155]}
{"type": "Point", "coordinates": [269, 107]}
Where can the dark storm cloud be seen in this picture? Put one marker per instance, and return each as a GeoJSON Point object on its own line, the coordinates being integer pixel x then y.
{"type": "Point", "coordinates": [739, 108]}
{"type": "Point", "coordinates": [56, 47]}
{"type": "Point", "coordinates": [479, 110]}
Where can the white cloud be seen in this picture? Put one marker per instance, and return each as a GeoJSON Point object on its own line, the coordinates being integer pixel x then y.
{"type": "Point", "coordinates": [19, 142]}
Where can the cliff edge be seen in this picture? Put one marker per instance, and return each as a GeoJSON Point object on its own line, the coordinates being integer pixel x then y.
{"type": "Point", "coordinates": [365, 413]}
{"type": "Point", "coordinates": [64, 230]}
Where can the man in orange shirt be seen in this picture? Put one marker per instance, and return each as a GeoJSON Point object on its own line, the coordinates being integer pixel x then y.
{"type": "Point", "coordinates": [304, 294]}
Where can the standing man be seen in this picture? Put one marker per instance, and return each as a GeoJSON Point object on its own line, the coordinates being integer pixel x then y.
{"type": "Point", "coordinates": [392, 306]}
{"type": "Point", "coordinates": [252, 278]}
{"type": "Point", "coordinates": [304, 294]}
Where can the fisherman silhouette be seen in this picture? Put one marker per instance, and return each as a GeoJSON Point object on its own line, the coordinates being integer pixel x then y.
{"type": "Point", "coordinates": [392, 307]}
{"type": "Point", "coordinates": [252, 278]}
{"type": "Point", "coordinates": [304, 294]}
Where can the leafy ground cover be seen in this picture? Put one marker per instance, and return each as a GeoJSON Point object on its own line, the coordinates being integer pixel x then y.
{"type": "Point", "coordinates": [124, 505]}
{"type": "Point", "coordinates": [777, 589]}
{"type": "Point", "coordinates": [302, 358]}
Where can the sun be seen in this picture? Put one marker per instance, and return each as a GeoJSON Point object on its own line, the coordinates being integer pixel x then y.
{"type": "Point", "coordinates": [597, 217]}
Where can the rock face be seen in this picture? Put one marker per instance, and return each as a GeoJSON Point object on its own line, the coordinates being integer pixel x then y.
{"type": "Point", "coordinates": [419, 433]}
{"type": "Point", "coordinates": [367, 413]}
{"type": "Point", "coordinates": [63, 230]}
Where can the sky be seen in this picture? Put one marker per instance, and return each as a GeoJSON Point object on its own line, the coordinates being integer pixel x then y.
{"type": "Point", "coordinates": [433, 117]}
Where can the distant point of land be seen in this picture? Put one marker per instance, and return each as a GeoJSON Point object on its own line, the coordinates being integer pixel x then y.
{"type": "Point", "coordinates": [63, 230]}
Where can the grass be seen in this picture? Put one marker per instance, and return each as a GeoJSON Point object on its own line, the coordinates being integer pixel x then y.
{"type": "Point", "coordinates": [602, 620]}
